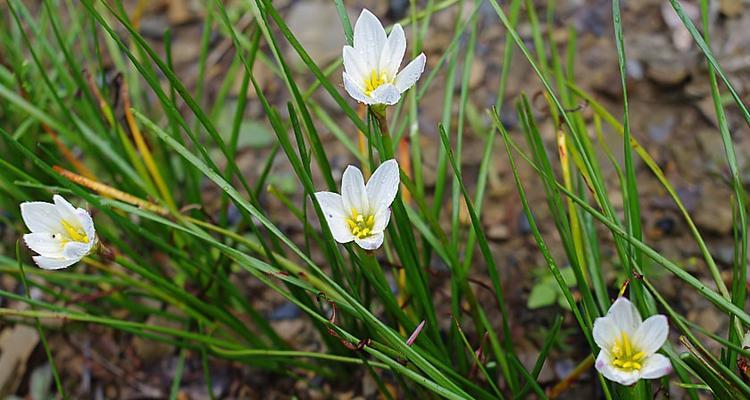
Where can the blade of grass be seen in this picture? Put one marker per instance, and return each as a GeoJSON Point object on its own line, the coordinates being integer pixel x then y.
{"type": "Point", "coordinates": [39, 329]}
{"type": "Point", "coordinates": [739, 267]}
{"type": "Point", "coordinates": [630, 189]}
{"type": "Point", "coordinates": [491, 267]}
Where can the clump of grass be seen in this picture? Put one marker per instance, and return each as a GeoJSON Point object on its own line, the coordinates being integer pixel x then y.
{"type": "Point", "coordinates": [138, 147]}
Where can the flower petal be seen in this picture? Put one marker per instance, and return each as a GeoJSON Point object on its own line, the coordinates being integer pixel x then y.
{"type": "Point", "coordinates": [382, 218]}
{"type": "Point", "coordinates": [410, 74]}
{"type": "Point", "coordinates": [652, 334]}
{"type": "Point", "coordinates": [369, 37]}
{"type": "Point", "coordinates": [383, 186]}
{"type": "Point", "coordinates": [87, 223]}
{"type": "Point", "coordinates": [385, 94]}
{"type": "Point", "coordinates": [53, 263]}
{"type": "Point", "coordinates": [656, 366]}
{"type": "Point", "coordinates": [393, 51]}
{"type": "Point", "coordinates": [353, 192]}
{"type": "Point", "coordinates": [76, 250]}
{"type": "Point", "coordinates": [605, 332]}
{"type": "Point", "coordinates": [44, 243]}
{"type": "Point", "coordinates": [355, 91]}
{"type": "Point", "coordinates": [354, 65]}
{"type": "Point", "coordinates": [333, 209]}
{"type": "Point", "coordinates": [41, 217]}
{"type": "Point", "coordinates": [64, 208]}
{"type": "Point", "coordinates": [371, 242]}
{"type": "Point", "coordinates": [625, 315]}
{"type": "Point", "coordinates": [604, 365]}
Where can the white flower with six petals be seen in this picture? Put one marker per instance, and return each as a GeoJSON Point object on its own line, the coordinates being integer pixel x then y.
{"type": "Point", "coordinates": [629, 344]}
{"type": "Point", "coordinates": [361, 212]}
{"type": "Point", "coordinates": [60, 233]}
{"type": "Point", "coordinates": [371, 67]}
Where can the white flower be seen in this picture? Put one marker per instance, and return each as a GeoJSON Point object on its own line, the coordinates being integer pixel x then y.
{"type": "Point", "coordinates": [361, 212]}
{"type": "Point", "coordinates": [629, 344]}
{"type": "Point", "coordinates": [60, 233]}
{"type": "Point", "coordinates": [371, 67]}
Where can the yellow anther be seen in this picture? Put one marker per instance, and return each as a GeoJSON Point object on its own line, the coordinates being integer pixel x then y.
{"type": "Point", "coordinates": [374, 81]}
{"type": "Point", "coordinates": [626, 343]}
{"type": "Point", "coordinates": [616, 351]}
{"type": "Point", "coordinates": [624, 355]}
{"type": "Point", "coordinates": [360, 225]}
{"type": "Point", "coordinates": [75, 232]}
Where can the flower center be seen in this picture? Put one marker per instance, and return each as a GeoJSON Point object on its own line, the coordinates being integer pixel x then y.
{"type": "Point", "coordinates": [374, 81]}
{"type": "Point", "coordinates": [625, 356]}
{"type": "Point", "coordinates": [360, 225]}
{"type": "Point", "coordinates": [75, 232]}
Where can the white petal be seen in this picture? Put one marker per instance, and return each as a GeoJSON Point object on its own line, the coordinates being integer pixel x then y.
{"type": "Point", "coordinates": [652, 334]}
{"type": "Point", "coordinates": [41, 217]}
{"type": "Point", "coordinates": [383, 186]}
{"type": "Point", "coordinates": [76, 250]}
{"type": "Point", "coordinates": [656, 366]}
{"type": "Point", "coordinates": [66, 210]}
{"type": "Point", "coordinates": [333, 209]}
{"type": "Point", "coordinates": [353, 192]}
{"type": "Point", "coordinates": [44, 243]}
{"type": "Point", "coordinates": [393, 51]}
{"type": "Point", "coordinates": [625, 315]}
{"type": "Point", "coordinates": [605, 332]}
{"type": "Point", "coordinates": [53, 263]}
{"type": "Point", "coordinates": [354, 65]}
{"type": "Point", "coordinates": [369, 37]}
{"type": "Point", "coordinates": [371, 242]}
{"type": "Point", "coordinates": [87, 223]}
{"type": "Point", "coordinates": [385, 94]}
{"type": "Point", "coordinates": [410, 74]}
{"type": "Point", "coordinates": [381, 220]}
{"type": "Point", "coordinates": [355, 91]}
{"type": "Point", "coordinates": [604, 365]}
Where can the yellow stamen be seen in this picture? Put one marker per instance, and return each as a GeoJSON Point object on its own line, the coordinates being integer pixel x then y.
{"type": "Point", "coordinates": [360, 225]}
{"type": "Point", "coordinates": [374, 81]}
{"type": "Point", "coordinates": [624, 355]}
{"type": "Point", "coordinates": [75, 232]}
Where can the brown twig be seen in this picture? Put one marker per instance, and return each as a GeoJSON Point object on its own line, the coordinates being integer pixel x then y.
{"type": "Point", "coordinates": [108, 191]}
{"type": "Point", "coordinates": [564, 384]}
